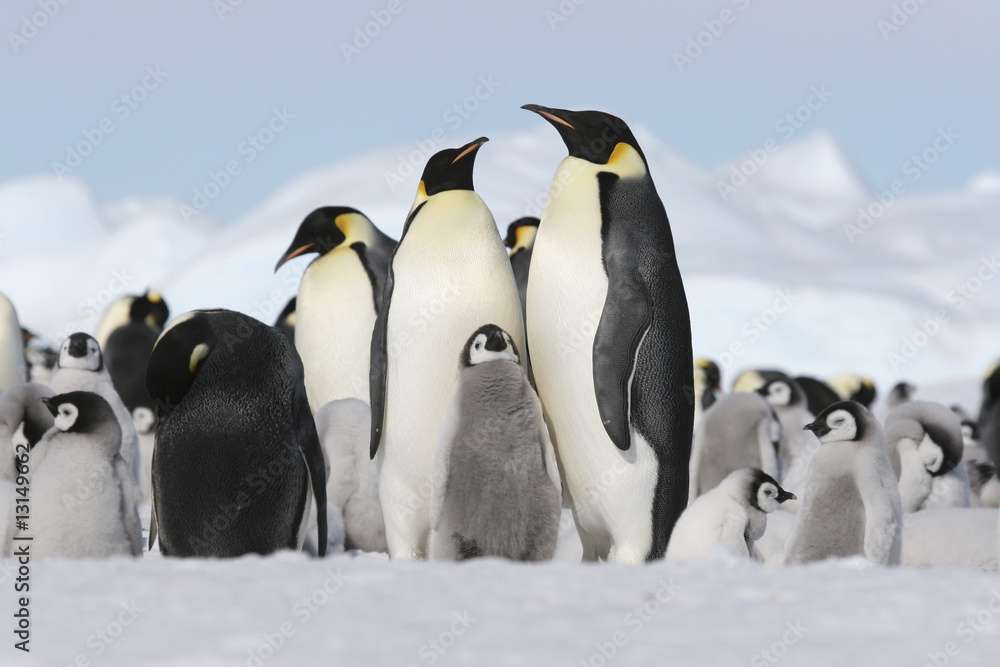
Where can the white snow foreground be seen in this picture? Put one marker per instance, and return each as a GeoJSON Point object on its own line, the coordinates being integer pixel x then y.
{"type": "Point", "coordinates": [366, 610]}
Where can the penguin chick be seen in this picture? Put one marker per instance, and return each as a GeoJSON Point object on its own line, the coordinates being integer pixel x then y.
{"type": "Point", "coordinates": [739, 431]}
{"type": "Point", "coordinates": [854, 387]}
{"type": "Point", "coordinates": [850, 502]}
{"type": "Point", "coordinates": [496, 489]}
{"type": "Point", "coordinates": [519, 240]}
{"type": "Point", "coordinates": [83, 498]}
{"type": "Point", "coordinates": [729, 518]}
{"type": "Point", "coordinates": [985, 484]}
{"type": "Point", "coordinates": [797, 446]}
{"type": "Point", "coordinates": [81, 368]}
{"type": "Point", "coordinates": [925, 446]}
{"type": "Point", "coordinates": [901, 392]}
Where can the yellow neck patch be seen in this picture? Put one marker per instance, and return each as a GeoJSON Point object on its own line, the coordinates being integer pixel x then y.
{"type": "Point", "coordinates": [626, 161]}
{"type": "Point", "coordinates": [355, 227]}
{"type": "Point", "coordinates": [524, 237]}
{"type": "Point", "coordinates": [198, 355]}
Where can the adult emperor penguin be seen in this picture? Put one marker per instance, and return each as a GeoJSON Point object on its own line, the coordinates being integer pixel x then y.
{"type": "Point", "coordinates": [926, 445]}
{"type": "Point", "coordinates": [496, 489]}
{"type": "Point", "coordinates": [519, 241]}
{"type": "Point", "coordinates": [339, 297]}
{"type": "Point", "coordinates": [850, 503]}
{"type": "Point", "coordinates": [854, 387]}
{"type": "Point", "coordinates": [236, 446]}
{"type": "Point", "coordinates": [13, 370]}
{"type": "Point", "coordinates": [609, 336]}
{"type": "Point", "coordinates": [117, 313]}
{"type": "Point", "coordinates": [127, 351]}
{"type": "Point", "coordinates": [740, 430]}
{"type": "Point", "coordinates": [84, 501]}
{"type": "Point", "coordinates": [818, 393]}
{"type": "Point", "coordinates": [753, 379]}
{"type": "Point", "coordinates": [729, 518]}
{"type": "Point", "coordinates": [448, 275]}
{"type": "Point", "coordinates": [707, 386]}
{"type": "Point", "coordinates": [81, 368]}
{"type": "Point", "coordinates": [989, 415]}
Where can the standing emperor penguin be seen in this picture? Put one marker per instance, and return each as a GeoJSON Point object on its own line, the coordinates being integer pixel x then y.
{"type": "Point", "coordinates": [84, 500]}
{"type": "Point", "coordinates": [127, 351]}
{"type": "Point", "coordinates": [448, 275]}
{"type": "Point", "coordinates": [989, 415]}
{"type": "Point", "coordinates": [519, 241]}
{"type": "Point", "coordinates": [117, 314]}
{"type": "Point", "coordinates": [797, 446]}
{"type": "Point", "coordinates": [236, 447]}
{"type": "Point", "coordinates": [496, 486]}
{"type": "Point", "coordinates": [926, 446]}
{"type": "Point", "coordinates": [81, 368]}
{"type": "Point", "coordinates": [609, 336]}
{"type": "Point", "coordinates": [707, 386]}
{"type": "Point", "coordinates": [850, 502]}
{"type": "Point", "coordinates": [13, 368]}
{"type": "Point", "coordinates": [339, 297]}
{"type": "Point", "coordinates": [729, 518]}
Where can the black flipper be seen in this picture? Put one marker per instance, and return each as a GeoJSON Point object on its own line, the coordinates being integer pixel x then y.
{"type": "Point", "coordinates": [312, 455]}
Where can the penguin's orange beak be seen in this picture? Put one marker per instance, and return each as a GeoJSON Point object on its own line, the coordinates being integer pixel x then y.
{"type": "Point", "coordinates": [469, 148]}
{"type": "Point", "coordinates": [295, 252]}
{"type": "Point", "coordinates": [552, 115]}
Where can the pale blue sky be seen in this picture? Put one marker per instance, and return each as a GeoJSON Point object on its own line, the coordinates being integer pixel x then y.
{"type": "Point", "coordinates": [209, 75]}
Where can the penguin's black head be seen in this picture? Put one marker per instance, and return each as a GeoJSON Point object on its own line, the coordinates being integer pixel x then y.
{"type": "Point", "coordinates": [489, 343]}
{"type": "Point", "coordinates": [286, 318]}
{"type": "Point", "coordinates": [177, 356]}
{"type": "Point", "coordinates": [765, 492]}
{"type": "Point", "coordinates": [81, 351]}
{"type": "Point", "coordinates": [521, 234]}
{"type": "Point", "coordinates": [450, 169]}
{"type": "Point", "coordinates": [843, 421]}
{"type": "Point", "coordinates": [781, 392]}
{"type": "Point", "coordinates": [589, 135]}
{"type": "Point", "coordinates": [327, 228]}
{"type": "Point", "coordinates": [991, 389]}
{"type": "Point", "coordinates": [710, 371]}
{"type": "Point", "coordinates": [80, 412]}
{"type": "Point", "coordinates": [903, 390]}
{"type": "Point", "coordinates": [149, 308]}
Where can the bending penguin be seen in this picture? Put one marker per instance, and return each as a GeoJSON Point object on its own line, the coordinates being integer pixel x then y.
{"type": "Point", "coordinates": [128, 347]}
{"type": "Point", "coordinates": [450, 262]}
{"type": "Point", "coordinates": [989, 415]}
{"type": "Point", "coordinates": [519, 241]}
{"type": "Point", "coordinates": [339, 297]}
{"type": "Point", "coordinates": [81, 368]}
{"type": "Point", "coordinates": [496, 486]}
{"type": "Point", "coordinates": [609, 338]}
{"type": "Point", "coordinates": [236, 446]}
{"type": "Point", "coordinates": [13, 370]}
{"type": "Point", "coordinates": [850, 503]}
{"type": "Point", "coordinates": [84, 500]}
{"type": "Point", "coordinates": [285, 322]}
{"type": "Point", "coordinates": [729, 518]}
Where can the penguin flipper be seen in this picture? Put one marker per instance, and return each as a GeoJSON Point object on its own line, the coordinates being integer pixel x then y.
{"type": "Point", "coordinates": [129, 507]}
{"type": "Point", "coordinates": [152, 528]}
{"type": "Point", "coordinates": [379, 364]}
{"type": "Point", "coordinates": [312, 456]}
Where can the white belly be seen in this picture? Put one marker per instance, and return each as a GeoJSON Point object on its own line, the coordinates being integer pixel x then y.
{"type": "Point", "coordinates": [335, 314]}
{"type": "Point", "coordinates": [452, 276]}
{"type": "Point", "coordinates": [567, 287]}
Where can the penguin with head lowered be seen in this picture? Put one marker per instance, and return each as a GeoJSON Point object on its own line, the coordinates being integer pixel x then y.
{"type": "Point", "coordinates": [118, 312]}
{"type": "Point", "coordinates": [609, 335]}
{"type": "Point", "coordinates": [285, 321]}
{"type": "Point", "coordinates": [339, 297]}
{"type": "Point", "coordinates": [448, 275]}
{"type": "Point", "coordinates": [13, 370]}
{"type": "Point", "coordinates": [126, 353]}
{"type": "Point", "coordinates": [926, 447]}
{"type": "Point", "coordinates": [236, 446]}
{"type": "Point", "coordinates": [519, 241]}
{"type": "Point", "coordinates": [496, 484]}
{"type": "Point", "coordinates": [850, 503]}
{"type": "Point", "coordinates": [729, 518]}
{"type": "Point", "coordinates": [83, 498]}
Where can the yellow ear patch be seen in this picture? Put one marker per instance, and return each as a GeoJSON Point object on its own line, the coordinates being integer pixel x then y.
{"type": "Point", "coordinates": [153, 296]}
{"type": "Point", "coordinates": [626, 161]}
{"type": "Point", "coordinates": [702, 362]}
{"type": "Point", "coordinates": [198, 355]}
{"type": "Point", "coordinates": [354, 227]}
{"type": "Point", "coordinates": [524, 236]}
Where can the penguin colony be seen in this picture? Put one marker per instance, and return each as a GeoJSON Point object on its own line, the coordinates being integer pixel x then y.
{"type": "Point", "coordinates": [556, 370]}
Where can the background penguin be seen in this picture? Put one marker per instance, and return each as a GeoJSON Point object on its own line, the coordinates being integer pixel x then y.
{"type": "Point", "coordinates": [854, 387]}
{"type": "Point", "coordinates": [519, 240]}
{"type": "Point", "coordinates": [707, 386]}
{"type": "Point", "coordinates": [496, 485]}
{"type": "Point", "coordinates": [819, 395]}
{"type": "Point", "coordinates": [739, 431]}
{"type": "Point", "coordinates": [339, 297]}
{"type": "Point", "coordinates": [925, 445]}
{"type": "Point", "coordinates": [40, 357]}
{"type": "Point", "coordinates": [117, 314]}
{"type": "Point", "coordinates": [236, 445]}
{"type": "Point", "coordinates": [729, 518]}
{"type": "Point", "coordinates": [449, 274]}
{"type": "Point", "coordinates": [984, 484]}
{"type": "Point", "coordinates": [850, 503]}
{"type": "Point", "coordinates": [144, 420]}
{"type": "Point", "coordinates": [797, 446]}
{"type": "Point", "coordinates": [13, 370]}
{"type": "Point", "coordinates": [285, 322]}
{"type": "Point", "coordinates": [753, 379]}
{"type": "Point", "coordinates": [81, 368]}
{"type": "Point", "coordinates": [83, 497]}
{"type": "Point", "coordinates": [901, 392]}
{"type": "Point", "coordinates": [344, 428]}
{"type": "Point", "coordinates": [610, 340]}
{"type": "Point", "coordinates": [989, 415]}
{"type": "Point", "coordinates": [127, 351]}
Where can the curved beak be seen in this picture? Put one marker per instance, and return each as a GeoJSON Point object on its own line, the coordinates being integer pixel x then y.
{"type": "Point", "coordinates": [786, 495]}
{"type": "Point", "coordinates": [51, 406]}
{"type": "Point", "coordinates": [557, 117]}
{"type": "Point", "coordinates": [293, 252]}
{"type": "Point", "coordinates": [469, 149]}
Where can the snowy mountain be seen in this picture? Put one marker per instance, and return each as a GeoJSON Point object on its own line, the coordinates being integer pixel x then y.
{"type": "Point", "coordinates": [796, 263]}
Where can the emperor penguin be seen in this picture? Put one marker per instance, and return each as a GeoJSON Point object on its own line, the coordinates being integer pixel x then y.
{"type": "Point", "coordinates": [339, 297]}
{"type": "Point", "coordinates": [797, 445]}
{"type": "Point", "coordinates": [609, 336]}
{"type": "Point", "coordinates": [728, 519]}
{"type": "Point", "coordinates": [81, 368]}
{"type": "Point", "coordinates": [984, 483]}
{"type": "Point", "coordinates": [13, 369]}
{"type": "Point", "coordinates": [39, 355]}
{"type": "Point", "coordinates": [117, 313]}
{"type": "Point", "coordinates": [850, 502]}
{"type": "Point", "coordinates": [519, 241]}
{"type": "Point", "coordinates": [236, 446]}
{"type": "Point", "coordinates": [707, 386]}
{"type": "Point", "coordinates": [84, 502]}
{"type": "Point", "coordinates": [753, 379]}
{"type": "Point", "coordinates": [972, 448]}
{"type": "Point", "coordinates": [989, 415]}
{"type": "Point", "coordinates": [448, 275]}
{"type": "Point", "coordinates": [925, 444]}
{"type": "Point", "coordinates": [739, 431]}
{"type": "Point", "coordinates": [497, 491]}
{"type": "Point", "coordinates": [818, 393]}
{"type": "Point", "coordinates": [126, 353]}
{"type": "Point", "coordinates": [285, 322]}
{"type": "Point", "coordinates": [854, 387]}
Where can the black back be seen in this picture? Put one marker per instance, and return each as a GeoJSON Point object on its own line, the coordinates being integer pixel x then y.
{"type": "Point", "coordinates": [989, 416]}
{"type": "Point", "coordinates": [817, 392]}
